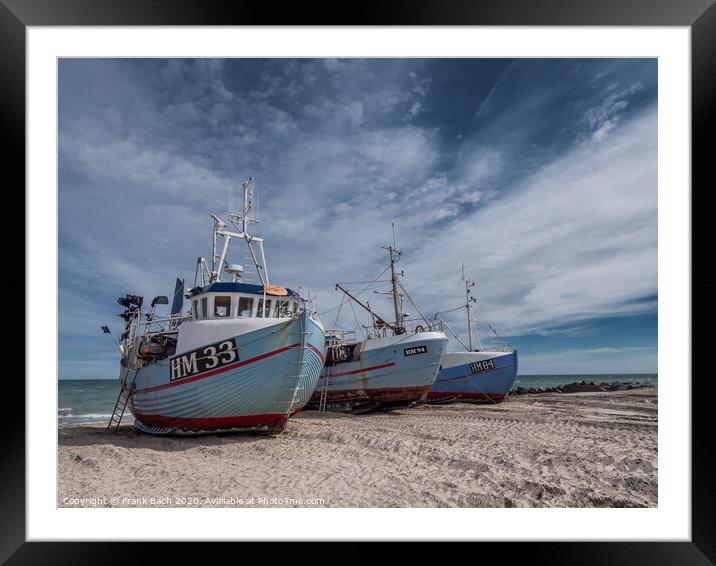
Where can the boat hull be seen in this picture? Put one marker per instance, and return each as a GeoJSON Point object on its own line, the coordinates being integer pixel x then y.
{"type": "Point", "coordinates": [388, 374]}
{"type": "Point", "coordinates": [273, 377]}
{"type": "Point", "coordinates": [479, 377]}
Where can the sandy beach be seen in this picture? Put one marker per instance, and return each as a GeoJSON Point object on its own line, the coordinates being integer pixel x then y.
{"type": "Point", "coordinates": [548, 450]}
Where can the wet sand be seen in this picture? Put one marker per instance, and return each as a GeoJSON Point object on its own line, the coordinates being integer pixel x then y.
{"type": "Point", "coordinates": [548, 450]}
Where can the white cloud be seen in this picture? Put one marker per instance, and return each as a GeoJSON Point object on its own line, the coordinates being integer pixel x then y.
{"type": "Point", "coordinates": [481, 165]}
{"type": "Point", "coordinates": [415, 109]}
{"type": "Point", "coordinates": [614, 350]}
{"type": "Point", "coordinates": [604, 117]}
{"type": "Point", "coordinates": [577, 240]}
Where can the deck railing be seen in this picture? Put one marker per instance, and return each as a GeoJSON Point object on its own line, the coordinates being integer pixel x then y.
{"type": "Point", "coordinates": [339, 336]}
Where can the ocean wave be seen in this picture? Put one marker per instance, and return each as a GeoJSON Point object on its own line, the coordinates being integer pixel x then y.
{"type": "Point", "coordinates": [90, 416]}
{"type": "Point", "coordinates": [84, 418]}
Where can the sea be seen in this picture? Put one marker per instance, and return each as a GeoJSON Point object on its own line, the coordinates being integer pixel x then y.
{"type": "Point", "coordinates": [92, 400]}
{"type": "Point", "coordinates": [86, 400]}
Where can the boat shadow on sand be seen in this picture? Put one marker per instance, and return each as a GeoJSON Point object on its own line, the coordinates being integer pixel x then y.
{"type": "Point", "coordinates": [126, 436]}
{"type": "Point", "coordinates": [129, 437]}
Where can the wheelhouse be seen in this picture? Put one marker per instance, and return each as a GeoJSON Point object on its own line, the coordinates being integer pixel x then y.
{"type": "Point", "coordinates": [223, 300]}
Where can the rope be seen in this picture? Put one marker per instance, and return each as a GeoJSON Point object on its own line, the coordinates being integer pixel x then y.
{"type": "Point", "coordinates": [469, 377]}
{"type": "Point", "coordinates": [328, 310]}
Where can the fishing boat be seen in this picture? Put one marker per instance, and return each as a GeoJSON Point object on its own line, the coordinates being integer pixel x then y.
{"type": "Point", "coordinates": [483, 372]}
{"type": "Point", "coordinates": [245, 356]}
{"type": "Point", "coordinates": [392, 367]}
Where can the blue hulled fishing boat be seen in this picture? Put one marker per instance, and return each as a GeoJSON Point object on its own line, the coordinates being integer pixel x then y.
{"type": "Point", "coordinates": [245, 356]}
{"type": "Point", "coordinates": [481, 373]}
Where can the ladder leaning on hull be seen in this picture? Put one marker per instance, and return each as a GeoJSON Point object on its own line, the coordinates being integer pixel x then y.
{"type": "Point", "coordinates": [122, 399]}
{"type": "Point", "coordinates": [324, 392]}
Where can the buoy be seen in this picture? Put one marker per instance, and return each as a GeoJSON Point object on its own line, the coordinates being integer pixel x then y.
{"type": "Point", "coordinates": [419, 328]}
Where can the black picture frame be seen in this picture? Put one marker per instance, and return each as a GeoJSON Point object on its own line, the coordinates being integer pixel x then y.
{"type": "Point", "coordinates": [699, 15]}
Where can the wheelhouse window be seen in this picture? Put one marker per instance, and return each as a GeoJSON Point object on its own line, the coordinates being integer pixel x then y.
{"type": "Point", "coordinates": [285, 308]}
{"type": "Point", "coordinates": [264, 310]}
{"type": "Point", "coordinates": [246, 304]}
{"type": "Point", "coordinates": [222, 307]}
{"type": "Point", "coordinates": [196, 308]}
{"type": "Point", "coordinates": [204, 307]}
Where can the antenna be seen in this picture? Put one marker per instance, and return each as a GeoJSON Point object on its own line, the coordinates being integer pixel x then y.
{"type": "Point", "coordinates": [255, 201]}
{"type": "Point", "coordinates": [249, 211]}
{"type": "Point", "coordinates": [229, 211]}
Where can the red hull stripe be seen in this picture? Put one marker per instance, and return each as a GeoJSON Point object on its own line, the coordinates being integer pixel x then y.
{"type": "Point", "coordinates": [465, 395]}
{"type": "Point", "coordinates": [186, 423]}
{"type": "Point", "coordinates": [216, 371]}
{"type": "Point", "coordinates": [360, 370]}
{"type": "Point", "coordinates": [317, 351]}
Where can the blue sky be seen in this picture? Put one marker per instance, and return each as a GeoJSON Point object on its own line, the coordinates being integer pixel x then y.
{"type": "Point", "coordinates": [540, 175]}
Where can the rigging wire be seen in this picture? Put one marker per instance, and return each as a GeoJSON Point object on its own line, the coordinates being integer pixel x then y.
{"type": "Point", "coordinates": [358, 293]}
{"type": "Point", "coordinates": [455, 335]}
{"type": "Point", "coordinates": [451, 310]}
{"type": "Point", "coordinates": [372, 282]}
{"type": "Point", "coordinates": [356, 319]}
{"type": "Point", "coordinates": [363, 282]}
{"type": "Point", "coordinates": [425, 320]}
{"type": "Point", "coordinates": [340, 307]}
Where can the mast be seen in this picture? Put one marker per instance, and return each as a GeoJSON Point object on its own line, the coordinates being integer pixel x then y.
{"type": "Point", "coordinates": [215, 265]}
{"type": "Point", "coordinates": [394, 255]}
{"type": "Point", "coordinates": [213, 243]}
{"type": "Point", "coordinates": [247, 207]}
{"type": "Point", "coordinates": [469, 283]}
{"type": "Point", "coordinates": [241, 220]}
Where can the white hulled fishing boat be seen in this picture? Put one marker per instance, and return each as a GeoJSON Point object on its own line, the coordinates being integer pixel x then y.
{"type": "Point", "coordinates": [245, 356]}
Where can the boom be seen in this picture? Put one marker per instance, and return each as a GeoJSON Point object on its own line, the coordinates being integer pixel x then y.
{"type": "Point", "coordinates": [377, 318]}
